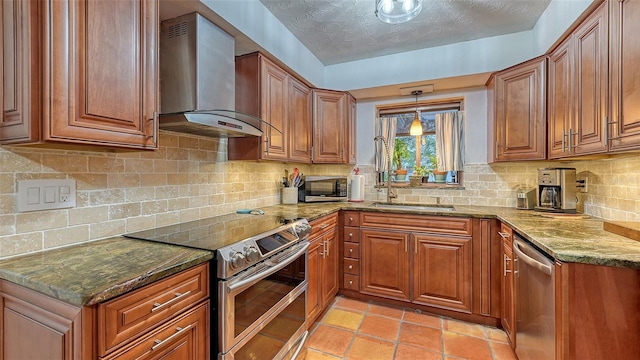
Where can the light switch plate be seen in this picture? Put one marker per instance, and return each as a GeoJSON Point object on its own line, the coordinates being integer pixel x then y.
{"type": "Point", "coordinates": [46, 194]}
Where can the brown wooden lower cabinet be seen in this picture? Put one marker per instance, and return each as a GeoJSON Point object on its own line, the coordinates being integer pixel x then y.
{"type": "Point", "coordinates": [438, 262]}
{"type": "Point", "coordinates": [322, 264]}
{"type": "Point", "coordinates": [597, 312]}
{"type": "Point", "coordinates": [178, 330]}
{"type": "Point", "coordinates": [442, 271]}
{"type": "Point", "coordinates": [385, 264]}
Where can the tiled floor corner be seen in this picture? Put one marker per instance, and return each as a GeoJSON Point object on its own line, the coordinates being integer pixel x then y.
{"type": "Point", "coordinates": [357, 330]}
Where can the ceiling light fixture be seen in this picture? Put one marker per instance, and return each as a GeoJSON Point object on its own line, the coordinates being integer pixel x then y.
{"type": "Point", "coordinates": [416, 125]}
{"type": "Point", "coordinates": [397, 11]}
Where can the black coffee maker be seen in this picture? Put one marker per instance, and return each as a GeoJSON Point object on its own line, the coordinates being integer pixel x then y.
{"type": "Point", "coordinates": [556, 190]}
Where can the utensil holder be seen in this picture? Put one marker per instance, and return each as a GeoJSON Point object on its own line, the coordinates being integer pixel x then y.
{"type": "Point", "coordinates": [290, 195]}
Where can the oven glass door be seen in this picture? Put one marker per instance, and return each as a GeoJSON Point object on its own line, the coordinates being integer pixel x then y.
{"type": "Point", "coordinates": [278, 337]}
{"type": "Point", "coordinates": [248, 301]}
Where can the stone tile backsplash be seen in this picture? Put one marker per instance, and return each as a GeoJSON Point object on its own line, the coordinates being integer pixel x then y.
{"type": "Point", "coordinates": [189, 178]}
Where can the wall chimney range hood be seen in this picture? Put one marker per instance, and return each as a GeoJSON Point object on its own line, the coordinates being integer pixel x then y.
{"type": "Point", "coordinates": [197, 81]}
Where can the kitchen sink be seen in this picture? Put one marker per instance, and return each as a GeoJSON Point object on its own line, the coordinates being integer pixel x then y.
{"type": "Point", "coordinates": [414, 207]}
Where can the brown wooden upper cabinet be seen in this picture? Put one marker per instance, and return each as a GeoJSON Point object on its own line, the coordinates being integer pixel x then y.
{"type": "Point", "coordinates": [577, 94]}
{"type": "Point", "coordinates": [624, 130]}
{"type": "Point", "coordinates": [334, 127]}
{"type": "Point", "coordinates": [265, 90]}
{"type": "Point", "coordinates": [517, 112]}
{"type": "Point", "coordinates": [80, 72]}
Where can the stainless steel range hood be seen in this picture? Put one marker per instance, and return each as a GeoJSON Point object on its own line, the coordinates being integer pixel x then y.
{"type": "Point", "coordinates": [197, 80]}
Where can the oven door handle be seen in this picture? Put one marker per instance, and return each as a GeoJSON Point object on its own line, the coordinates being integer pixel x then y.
{"type": "Point", "coordinates": [268, 271]}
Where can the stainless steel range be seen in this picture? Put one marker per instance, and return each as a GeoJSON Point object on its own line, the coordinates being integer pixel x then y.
{"type": "Point", "coordinates": [260, 281]}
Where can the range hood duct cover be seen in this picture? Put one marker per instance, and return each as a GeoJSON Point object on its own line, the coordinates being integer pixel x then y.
{"type": "Point", "coordinates": [197, 80]}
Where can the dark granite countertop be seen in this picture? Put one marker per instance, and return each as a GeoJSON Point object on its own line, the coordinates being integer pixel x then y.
{"type": "Point", "coordinates": [94, 272]}
{"type": "Point", "coordinates": [569, 240]}
{"type": "Point", "coordinates": [89, 273]}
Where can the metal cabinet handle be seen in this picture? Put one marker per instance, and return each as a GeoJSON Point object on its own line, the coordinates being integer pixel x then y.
{"type": "Point", "coordinates": [497, 146]}
{"type": "Point", "coordinates": [350, 235]}
{"type": "Point", "coordinates": [350, 219]}
{"type": "Point", "coordinates": [157, 306]}
{"type": "Point", "coordinates": [162, 342]}
{"type": "Point", "coordinates": [155, 127]}
{"type": "Point", "coordinates": [350, 282]}
{"type": "Point", "coordinates": [323, 226]}
{"type": "Point", "coordinates": [350, 251]}
{"type": "Point", "coordinates": [504, 235]}
{"type": "Point", "coordinates": [563, 142]}
{"type": "Point", "coordinates": [350, 267]}
{"type": "Point", "coordinates": [506, 258]}
{"type": "Point", "coordinates": [326, 247]}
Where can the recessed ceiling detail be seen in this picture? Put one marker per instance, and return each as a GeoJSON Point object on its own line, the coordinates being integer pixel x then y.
{"type": "Point", "coordinates": [338, 31]}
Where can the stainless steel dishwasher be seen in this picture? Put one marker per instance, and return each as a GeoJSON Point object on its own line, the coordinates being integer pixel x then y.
{"type": "Point", "coordinates": [535, 302]}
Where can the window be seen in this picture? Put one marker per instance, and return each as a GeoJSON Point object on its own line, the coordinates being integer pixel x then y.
{"type": "Point", "coordinates": [421, 149]}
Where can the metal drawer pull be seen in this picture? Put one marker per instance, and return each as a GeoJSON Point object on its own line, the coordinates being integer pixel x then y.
{"type": "Point", "coordinates": [350, 219]}
{"type": "Point", "coordinates": [504, 235]}
{"type": "Point", "coordinates": [350, 251]}
{"type": "Point", "coordinates": [350, 267]}
{"type": "Point", "coordinates": [157, 306]}
{"type": "Point", "coordinates": [323, 226]}
{"type": "Point", "coordinates": [505, 264]}
{"type": "Point", "coordinates": [350, 282]}
{"type": "Point", "coordinates": [326, 247]}
{"type": "Point", "coordinates": [350, 235]}
{"type": "Point", "coordinates": [162, 342]}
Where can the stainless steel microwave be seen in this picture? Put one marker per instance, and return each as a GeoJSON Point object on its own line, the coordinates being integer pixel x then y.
{"type": "Point", "coordinates": [323, 188]}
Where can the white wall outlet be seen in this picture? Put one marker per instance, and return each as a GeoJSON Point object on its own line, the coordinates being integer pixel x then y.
{"type": "Point", "coordinates": [46, 194]}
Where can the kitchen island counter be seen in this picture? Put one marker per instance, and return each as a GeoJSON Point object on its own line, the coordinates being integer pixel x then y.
{"type": "Point", "coordinates": [575, 240]}
{"type": "Point", "coordinates": [93, 272]}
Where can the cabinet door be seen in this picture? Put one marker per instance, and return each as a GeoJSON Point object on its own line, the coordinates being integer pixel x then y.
{"type": "Point", "coordinates": [442, 271]}
{"type": "Point", "coordinates": [273, 102]}
{"type": "Point", "coordinates": [330, 267]}
{"type": "Point", "coordinates": [26, 315]}
{"type": "Point", "coordinates": [21, 115]}
{"type": "Point", "coordinates": [101, 72]}
{"type": "Point", "coordinates": [508, 304]}
{"type": "Point", "coordinates": [560, 101]}
{"type": "Point", "coordinates": [316, 252]}
{"type": "Point", "coordinates": [352, 130]}
{"type": "Point", "coordinates": [329, 126]}
{"type": "Point", "coordinates": [592, 73]}
{"type": "Point", "coordinates": [520, 112]}
{"type": "Point", "coordinates": [384, 264]}
{"type": "Point", "coordinates": [300, 124]}
{"type": "Point", "coordinates": [625, 76]}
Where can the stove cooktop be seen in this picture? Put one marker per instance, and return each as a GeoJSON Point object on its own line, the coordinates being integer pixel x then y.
{"type": "Point", "coordinates": [216, 232]}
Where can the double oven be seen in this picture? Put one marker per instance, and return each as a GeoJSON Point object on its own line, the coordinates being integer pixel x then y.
{"type": "Point", "coordinates": [259, 276]}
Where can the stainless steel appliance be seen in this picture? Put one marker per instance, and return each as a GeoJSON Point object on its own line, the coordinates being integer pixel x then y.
{"type": "Point", "coordinates": [525, 199]}
{"type": "Point", "coordinates": [197, 80]}
{"type": "Point", "coordinates": [259, 278]}
{"type": "Point", "coordinates": [535, 302]}
{"type": "Point", "coordinates": [323, 188]}
{"type": "Point", "coordinates": [556, 190]}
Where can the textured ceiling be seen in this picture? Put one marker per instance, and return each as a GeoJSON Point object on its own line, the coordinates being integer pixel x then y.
{"type": "Point", "coordinates": [338, 31]}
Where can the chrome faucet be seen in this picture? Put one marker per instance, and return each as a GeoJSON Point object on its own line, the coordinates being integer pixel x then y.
{"type": "Point", "coordinates": [390, 193]}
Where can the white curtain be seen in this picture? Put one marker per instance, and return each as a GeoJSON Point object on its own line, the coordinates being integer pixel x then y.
{"type": "Point", "coordinates": [450, 141]}
{"type": "Point", "coordinates": [386, 127]}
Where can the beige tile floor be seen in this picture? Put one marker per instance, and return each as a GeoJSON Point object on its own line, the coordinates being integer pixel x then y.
{"type": "Point", "coordinates": [358, 330]}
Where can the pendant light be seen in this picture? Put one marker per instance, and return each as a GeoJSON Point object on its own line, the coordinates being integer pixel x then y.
{"type": "Point", "coordinates": [416, 125]}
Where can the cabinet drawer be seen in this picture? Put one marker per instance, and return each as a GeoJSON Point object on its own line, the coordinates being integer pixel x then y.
{"type": "Point", "coordinates": [351, 218]}
{"type": "Point", "coordinates": [182, 338]}
{"type": "Point", "coordinates": [437, 224]}
{"type": "Point", "coordinates": [323, 223]}
{"type": "Point", "coordinates": [351, 282]}
{"type": "Point", "coordinates": [127, 316]}
{"type": "Point", "coordinates": [351, 234]}
{"type": "Point", "coordinates": [352, 250]}
{"type": "Point", "coordinates": [506, 233]}
{"type": "Point", "coordinates": [351, 266]}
